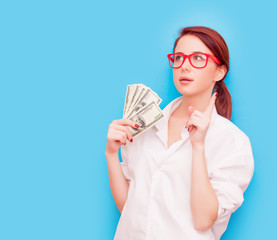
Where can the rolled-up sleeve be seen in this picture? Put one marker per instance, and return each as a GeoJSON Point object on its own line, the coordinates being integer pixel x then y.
{"type": "Point", "coordinates": [124, 163]}
{"type": "Point", "coordinates": [230, 177]}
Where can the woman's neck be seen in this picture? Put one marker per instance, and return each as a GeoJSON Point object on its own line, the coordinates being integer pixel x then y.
{"type": "Point", "coordinates": [198, 102]}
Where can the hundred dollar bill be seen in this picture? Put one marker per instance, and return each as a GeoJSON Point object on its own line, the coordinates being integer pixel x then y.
{"type": "Point", "coordinates": [128, 98]}
{"type": "Point", "coordinates": [140, 89]}
{"type": "Point", "coordinates": [133, 95]}
{"type": "Point", "coordinates": [148, 97]}
{"type": "Point", "coordinates": [146, 117]}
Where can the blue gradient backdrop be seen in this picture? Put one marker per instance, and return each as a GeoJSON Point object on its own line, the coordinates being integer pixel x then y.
{"type": "Point", "coordinates": [64, 69]}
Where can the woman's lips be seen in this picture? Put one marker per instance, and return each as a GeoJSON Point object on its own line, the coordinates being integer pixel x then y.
{"type": "Point", "coordinates": [185, 80]}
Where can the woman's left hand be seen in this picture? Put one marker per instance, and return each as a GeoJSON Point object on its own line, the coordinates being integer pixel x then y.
{"type": "Point", "coordinates": [199, 123]}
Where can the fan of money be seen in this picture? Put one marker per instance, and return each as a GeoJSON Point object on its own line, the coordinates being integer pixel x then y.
{"type": "Point", "coordinates": [142, 106]}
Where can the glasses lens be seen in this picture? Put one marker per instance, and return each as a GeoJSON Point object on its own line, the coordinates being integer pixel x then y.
{"type": "Point", "coordinates": [198, 60]}
{"type": "Point", "coordinates": [176, 60]}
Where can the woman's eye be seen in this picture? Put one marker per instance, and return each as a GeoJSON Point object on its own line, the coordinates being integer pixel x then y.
{"type": "Point", "coordinates": [178, 58]}
{"type": "Point", "coordinates": [199, 57]}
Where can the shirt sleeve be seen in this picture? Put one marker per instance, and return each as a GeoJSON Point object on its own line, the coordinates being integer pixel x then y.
{"type": "Point", "coordinates": [124, 163]}
{"type": "Point", "coordinates": [230, 177]}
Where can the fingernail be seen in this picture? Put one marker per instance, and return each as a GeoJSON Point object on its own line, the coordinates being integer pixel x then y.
{"type": "Point", "coordinates": [137, 126]}
{"type": "Point", "coordinates": [216, 94]}
{"type": "Point", "coordinates": [131, 140]}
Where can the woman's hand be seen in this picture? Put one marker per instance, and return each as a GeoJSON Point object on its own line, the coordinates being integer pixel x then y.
{"type": "Point", "coordinates": [199, 122]}
{"type": "Point", "coordinates": [118, 134]}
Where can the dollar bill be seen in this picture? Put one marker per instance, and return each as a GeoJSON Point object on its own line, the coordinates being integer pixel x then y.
{"type": "Point", "coordinates": [147, 97]}
{"type": "Point", "coordinates": [146, 117]}
{"type": "Point", "coordinates": [141, 105]}
{"type": "Point", "coordinates": [139, 91]}
{"type": "Point", "coordinates": [128, 98]}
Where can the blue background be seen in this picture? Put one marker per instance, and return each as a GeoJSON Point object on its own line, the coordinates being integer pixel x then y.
{"type": "Point", "coordinates": [64, 69]}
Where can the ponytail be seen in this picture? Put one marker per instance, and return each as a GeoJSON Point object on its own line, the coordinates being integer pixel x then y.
{"type": "Point", "coordinates": [223, 101]}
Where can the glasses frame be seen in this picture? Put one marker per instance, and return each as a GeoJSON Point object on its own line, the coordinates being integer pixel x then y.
{"type": "Point", "coordinates": [169, 56]}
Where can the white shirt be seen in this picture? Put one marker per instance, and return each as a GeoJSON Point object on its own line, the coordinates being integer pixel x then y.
{"type": "Point", "coordinates": [158, 203]}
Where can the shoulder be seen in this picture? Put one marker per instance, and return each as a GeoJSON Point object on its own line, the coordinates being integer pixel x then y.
{"type": "Point", "coordinates": [229, 149]}
{"type": "Point", "coordinates": [227, 144]}
{"type": "Point", "coordinates": [226, 132]}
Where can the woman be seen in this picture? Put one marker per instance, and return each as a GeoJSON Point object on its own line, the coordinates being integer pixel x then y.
{"type": "Point", "coordinates": [183, 177]}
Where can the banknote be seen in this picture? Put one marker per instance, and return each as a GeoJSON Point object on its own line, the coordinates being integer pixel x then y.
{"type": "Point", "coordinates": [146, 118]}
{"type": "Point", "coordinates": [128, 98]}
{"type": "Point", "coordinates": [147, 97]}
{"type": "Point", "coordinates": [140, 89]}
{"type": "Point", "coordinates": [137, 96]}
{"type": "Point", "coordinates": [142, 106]}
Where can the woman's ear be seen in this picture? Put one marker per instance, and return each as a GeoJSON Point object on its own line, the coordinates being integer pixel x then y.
{"type": "Point", "coordinates": [220, 73]}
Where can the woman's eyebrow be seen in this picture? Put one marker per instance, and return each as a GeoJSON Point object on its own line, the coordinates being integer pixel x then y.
{"type": "Point", "coordinates": [198, 52]}
{"type": "Point", "coordinates": [192, 52]}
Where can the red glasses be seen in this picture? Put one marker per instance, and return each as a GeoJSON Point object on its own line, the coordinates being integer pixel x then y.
{"type": "Point", "coordinates": [197, 60]}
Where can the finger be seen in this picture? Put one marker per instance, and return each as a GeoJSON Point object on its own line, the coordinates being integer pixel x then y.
{"type": "Point", "coordinates": [210, 107]}
{"type": "Point", "coordinates": [191, 128]}
{"type": "Point", "coordinates": [120, 139]}
{"type": "Point", "coordinates": [117, 135]}
{"type": "Point", "coordinates": [193, 113]}
{"type": "Point", "coordinates": [124, 129]}
{"type": "Point", "coordinates": [190, 110]}
{"type": "Point", "coordinates": [126, 122]}
{"type": "Point", "coordinates": [196, 113]}
{"type": "Point", "coordinates": [195, 121]}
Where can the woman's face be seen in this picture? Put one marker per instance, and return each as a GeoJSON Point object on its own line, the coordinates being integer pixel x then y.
{"type": "Point", "coordinates": [203, 79]}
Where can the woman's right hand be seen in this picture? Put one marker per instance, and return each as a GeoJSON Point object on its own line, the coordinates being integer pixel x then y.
{"type": "Point", "coordinates": [118, 134]}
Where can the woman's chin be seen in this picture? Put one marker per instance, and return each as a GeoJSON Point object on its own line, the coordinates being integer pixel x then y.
{"type": "Point", "coordinates": [185, 92]}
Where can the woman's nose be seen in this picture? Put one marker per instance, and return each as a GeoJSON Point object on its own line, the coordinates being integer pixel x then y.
{"type": "Point", "coordinates": [186, 65]}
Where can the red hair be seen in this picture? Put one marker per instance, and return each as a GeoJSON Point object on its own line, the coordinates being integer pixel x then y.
{"type": "Point", "coordinates": [215, 42]}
